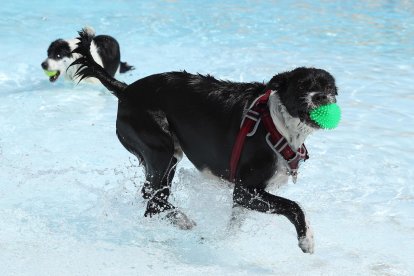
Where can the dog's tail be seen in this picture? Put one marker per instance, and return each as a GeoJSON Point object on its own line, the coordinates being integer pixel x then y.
{"type": "Point", "coordinates": [90, 69]}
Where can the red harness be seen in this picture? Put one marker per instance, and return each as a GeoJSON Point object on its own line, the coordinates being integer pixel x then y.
{"type": "Point", "coordinates": [260, 112]}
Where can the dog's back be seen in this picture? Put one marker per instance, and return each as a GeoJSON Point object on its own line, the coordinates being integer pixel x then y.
{"type": "Point", "coordinates": [199, 110]}
{"type": "Point", "coordinates": [108, 49]}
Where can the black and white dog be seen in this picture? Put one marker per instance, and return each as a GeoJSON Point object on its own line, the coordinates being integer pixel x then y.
{"type": "Point", "coordinates": [163, 115]}
{"type": "Point", "coordinates": [104, 50]}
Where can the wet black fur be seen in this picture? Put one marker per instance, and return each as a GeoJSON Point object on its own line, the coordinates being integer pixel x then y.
{"type": "Point", "coordinates": [202, 115]}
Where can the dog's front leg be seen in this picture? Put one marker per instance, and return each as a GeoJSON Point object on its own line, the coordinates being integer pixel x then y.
{"type": "Point", "coordinates": [262, 201]}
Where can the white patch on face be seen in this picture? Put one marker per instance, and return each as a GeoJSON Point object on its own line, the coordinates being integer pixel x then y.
{"type": "Point", "coordinates": [62, 65]}
{"type": "Point", "coordinates": [294, 131]}
{"type": "Point", "coordinates": [308, 99]}
{"type": "Point", "coordinates": [57, 65]}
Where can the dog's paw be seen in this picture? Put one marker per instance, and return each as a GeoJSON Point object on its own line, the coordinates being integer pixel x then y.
{"type": "Point", "coordinates": [238, 215]}
{"type": "Point", "coordinates": [307, 243]}
{"type": "Point", "coordinates": [179, 219]}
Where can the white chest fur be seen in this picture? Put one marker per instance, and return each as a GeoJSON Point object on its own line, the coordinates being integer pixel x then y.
{"type": "Point", "coordinates": [294, 131]}
{"type": "Point", "coordinates": [280, 177]}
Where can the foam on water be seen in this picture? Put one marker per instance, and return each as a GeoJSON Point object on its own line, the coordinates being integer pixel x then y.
{"type": "Point", "coordinates": [69, 192]}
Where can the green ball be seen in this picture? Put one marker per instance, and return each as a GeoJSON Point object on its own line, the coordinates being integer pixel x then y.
{"type": "Point", "coordinates": [50, 73]}
{"type": "Point", "coordinates": [326, 116]}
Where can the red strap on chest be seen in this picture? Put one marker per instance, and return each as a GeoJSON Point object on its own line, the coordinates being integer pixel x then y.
{"type": "Point", "coordinates": [260, 112]}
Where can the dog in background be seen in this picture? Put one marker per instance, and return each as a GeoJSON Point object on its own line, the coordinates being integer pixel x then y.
{"type": "Point", "coordinates": [104, 50]}
{"type": "Point", "coordinates": [162, 116]}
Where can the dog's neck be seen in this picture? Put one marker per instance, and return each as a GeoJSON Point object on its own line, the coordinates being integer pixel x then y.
{"type": "Point", "coordinates": [294, 131]}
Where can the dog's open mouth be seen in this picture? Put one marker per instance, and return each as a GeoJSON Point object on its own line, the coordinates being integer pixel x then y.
{"type": "Point", "coordinates": [53, 75]}
{"type": "Point", "coordinates": [326, 116]}
{"type": "Point", "coordinates": [306, 118]}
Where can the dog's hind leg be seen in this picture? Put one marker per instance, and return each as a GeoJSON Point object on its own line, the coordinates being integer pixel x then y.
{"type": "Point", "coordinates": [262, 201]}
{"type": "Point", "coordinates": [157, 190]}
{"type": "Point", "coordinates": [150, 139]}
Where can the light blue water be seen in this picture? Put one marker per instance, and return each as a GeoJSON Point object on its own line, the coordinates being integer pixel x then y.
{"type": "Point", "coordinates": [68, 202]}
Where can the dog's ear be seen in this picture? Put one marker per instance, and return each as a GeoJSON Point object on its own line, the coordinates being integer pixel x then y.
{"type": "Point", "coordinates": [58, 49]}
{"type": "Point", "coordinates": [279, 82]}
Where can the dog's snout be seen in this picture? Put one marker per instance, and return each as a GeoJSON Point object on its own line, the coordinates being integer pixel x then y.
{"type": "Point", "coordinates": [323, 98]}
{"type": "Point", "coordinates": [44, 65]}
{"type": "Point", "coordinates": [319, 98]}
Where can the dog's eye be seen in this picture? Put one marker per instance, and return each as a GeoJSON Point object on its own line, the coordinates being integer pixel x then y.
{"type": "Point", "coordinates": [58, 56]}
{"type": "Point", "coordinates": [302, 85]}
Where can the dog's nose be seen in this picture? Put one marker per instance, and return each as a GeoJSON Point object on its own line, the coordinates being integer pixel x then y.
{"type": "Point", "coordinates": [323, 98]}
{"type": "Point", "coordinates": [44, 65]}
{"type": "Point", "coordinates": [319, 98]}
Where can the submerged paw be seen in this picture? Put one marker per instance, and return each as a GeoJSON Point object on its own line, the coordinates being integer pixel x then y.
{"type": "Point", "coordinates": [179, 219]}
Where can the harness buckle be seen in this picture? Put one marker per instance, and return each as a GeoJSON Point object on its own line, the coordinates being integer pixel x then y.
{"type": "Point", "coordinates": [294, 158]}
{"type": "Point", "coordinates": [254, 116]}
{"type": "Point", "coordinates": [275, 146]}
{"type": "Point", "coordinates": [299, 155]}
